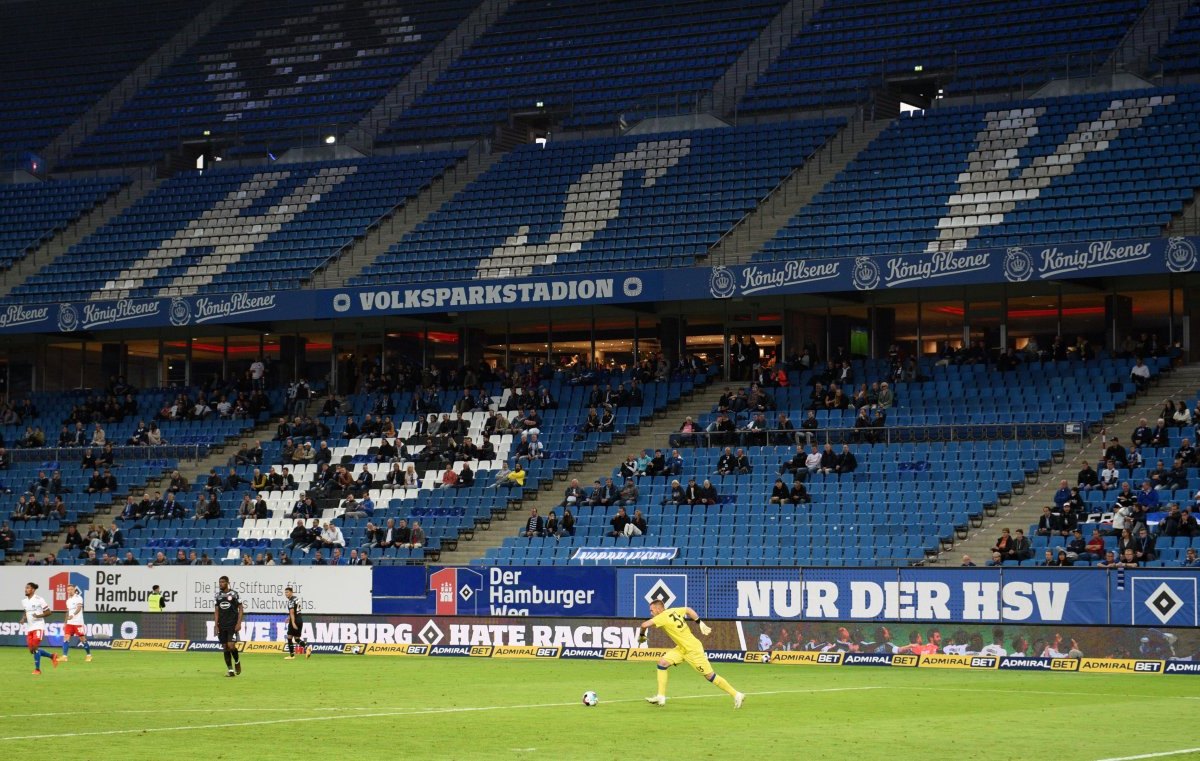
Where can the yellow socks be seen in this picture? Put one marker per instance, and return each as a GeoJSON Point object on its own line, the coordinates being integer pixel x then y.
{"type": "Point", "coordinates": [724, 685]}
{"type": "Point", "coordinates": [663, 674]}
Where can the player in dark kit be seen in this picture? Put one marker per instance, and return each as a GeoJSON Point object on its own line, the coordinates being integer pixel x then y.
{"type": "Point", "coordinates": [295, 626]}
{"type": "Point", "coordinates": [227, 613]}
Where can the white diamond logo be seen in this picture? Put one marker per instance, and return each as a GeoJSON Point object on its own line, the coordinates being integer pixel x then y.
{"type": "Point", "coordinates": [466, 593]}
{"type": "Point", "coordinates": [1164, 603]}
{"type": "Point", "coordinates": [430, 634]}
{"type": "Point", "coordinates": [661, 592]}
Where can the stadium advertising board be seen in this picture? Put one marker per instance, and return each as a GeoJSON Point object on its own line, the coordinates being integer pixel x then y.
{"type": "Point", "coordinates": [1083, 596]}
{"type": "Point", "coordinates": [1095, 258]}
{"type": "Point", "coordinates": [496, 591]}
{"type": "Point", "coordinates": [192, 588]}
{"type": "Point", "coordinates": [978, 647]}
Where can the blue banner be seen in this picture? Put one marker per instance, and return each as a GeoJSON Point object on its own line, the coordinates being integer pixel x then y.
{"type": "Point", "coordinates": [1087, 259]}
{"type": "Point", "coordinates": [496, 591]}
{"type": "Point", "coordinates": [1077, 596]}
{"type": "Point", "coordinates": [1154, 598]}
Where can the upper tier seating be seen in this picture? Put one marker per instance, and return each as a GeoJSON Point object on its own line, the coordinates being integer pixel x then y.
{"type": "Point", "coordinates": [1178, 53]}
{"type": "Point", "coordinates": [234, 229]}
{"type": "Point", "coordinates": [32, 213]}
{"type": "Point", "coordinates": [273, 74]}
{"type": "Point", "coordinates": [849, 46]}
{"type": "Point", "coordinates": [62, 56]}
{"type": "Point", "coordinates": [601, 61]}
{"type": "Point", "coordinates": [1105, 166]}
{"type": "Point", "coordinates": [632, 202]}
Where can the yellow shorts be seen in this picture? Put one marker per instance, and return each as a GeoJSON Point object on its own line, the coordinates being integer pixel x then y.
{"type": "Point", "coordinates": [694, 658]}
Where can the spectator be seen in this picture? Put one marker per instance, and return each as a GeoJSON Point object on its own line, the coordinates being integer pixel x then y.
{"type": "Point", "coordinates": [417, 537]}
{"type": "Point", "coordinates": [332, 536]}
{"type": "Point", "coordinates": [996, 561]}
{"type": "Point", "coordinates": [1140, 374]}
{"type": "Point", "coordinates": [177, 483]}
{"type": "Point", "coordinates": [449, 478]}
{"type": "Point", "coordinates": [687, 431]}
{"type": "Point", "coordinates": [567, 525]}
{"type": "Point", "coordinates": [629, 493]}
{"type": "Point", "coordinates": [847, 462]}
{"type": "Point", "coordinates": [603, 495]}
{"type": "Point", "coordinates": [637, 525]}
{"type": "Point", "coordinates": [676, 495]}
{"type": "Point", "coordinates": [534, 525]}
{"type": "Point", "coordinates": [1061, 560]}
{"type": "Point", "coordinates": [552, 527]}
{"type": "Point", "coordinates": [796, 464]}
{"type": "Point", "coordinates": [675, 463]}
{"type": "Point", "coordinates": [1087, 479]}
{"type": "Point", "coordinates": [1190, 560]}
{"type": "Point", "coordinates": [1144, 547]}
{"type": "Point", "coordinates": [1076, 546]}
{"type": "Point", "coordinates": [1021, 549]}
{"type": "Point", "coordinates": [798, 495]}
{"type": "Point", "coordinates": [1128, 559]}
{"type": "Point", "coordinates": [1063, 493]}
{"type": "Point", "coordinates": [1116, 453]}
{"type": "Point", "coordinates": [812, 462]}
{"type": "Point", "coordinates": [1004, 545]}
{"type": "Point", "coordinates": [1047, 523]}
{"type": "Point", "coordinates": [514, 477]}
{"type": "Point", "coordinates": [352, 509]}
{"type": "Point", "coordinates": [299, 536]}
{"type": "Point", "coordinates": [967, 562]}
{"type": "Point", "coordinates": [1095, 546]}
{"type": "Point", "coordinates": [573, 494]}
{"type": "Point", "coordinates": [708, 493]}
{"type": "Point", "coordinates": [779, 493]}
{"type": "Point", "coordinates": [618, 523]}
{"type": "Point", "coordinates": [1109, 560]}
{"type": "Point", "coordinates": [1110, 476]}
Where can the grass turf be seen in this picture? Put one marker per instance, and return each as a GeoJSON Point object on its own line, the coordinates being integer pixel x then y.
{"type": "Point", "coordinates": [159, 705]}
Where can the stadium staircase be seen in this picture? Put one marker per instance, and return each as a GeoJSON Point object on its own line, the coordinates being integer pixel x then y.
{"type": "Point", "coordinates": [402, 220]}
{"type": "Point", "coordinates": [1186, 222]}
{"type": "Point", "coordinates": [46, 254]}
{"type": "Point", "coordinates": [761, 224]}
{"type": "Point", "coordinates": [116, 98]}
{"type": "Point", "coordinates": [757, 58]}
{"type": "Point", "coordinates": [1026, 508]}
{"type": "Point", "coordinates": [1137, 51]}
{"type": "Point", "coordinates": [363, 135]}
{"type": "Point", "coordinates": [701, 401]}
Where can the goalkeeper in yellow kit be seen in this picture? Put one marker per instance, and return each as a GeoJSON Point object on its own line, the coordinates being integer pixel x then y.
{"type": "Point", "coordinates": [687, 649]}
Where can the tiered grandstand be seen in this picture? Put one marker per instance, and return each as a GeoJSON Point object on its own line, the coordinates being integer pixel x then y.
{"type": "Point", "coordinates": [479, 195]}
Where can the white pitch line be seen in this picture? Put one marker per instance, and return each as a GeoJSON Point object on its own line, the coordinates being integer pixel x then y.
{"type": "Point", "coordinates": [214, 709]}
{"type": "Point", "coordinates": [385, 714]}
{"type": "Point", "coordinates": [1164, 754]}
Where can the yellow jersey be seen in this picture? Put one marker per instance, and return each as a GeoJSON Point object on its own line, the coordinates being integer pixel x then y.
{"type": "Point", "coordinates": [673, 621]}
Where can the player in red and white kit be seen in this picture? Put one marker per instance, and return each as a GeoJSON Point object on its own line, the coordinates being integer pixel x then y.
{"type": "Point", "coordinates": [34, 618]}
{"type": "Point", "coordinates": [75, 626]}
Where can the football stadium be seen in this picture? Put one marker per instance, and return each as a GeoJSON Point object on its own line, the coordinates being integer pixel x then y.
{"type": "Point", "coordinates": [582, 379]}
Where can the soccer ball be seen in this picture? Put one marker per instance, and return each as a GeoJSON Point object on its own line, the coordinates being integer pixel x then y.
{"type": "Point", "coordinates": [766, 657]}
{"type": "Point", "coordinates": [590, 698]}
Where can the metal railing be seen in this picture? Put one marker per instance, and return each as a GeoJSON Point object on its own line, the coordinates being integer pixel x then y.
{"type": "Point", "coordinates": [71, 456]}
{"type": "Point", "coordinates": [888, 434]}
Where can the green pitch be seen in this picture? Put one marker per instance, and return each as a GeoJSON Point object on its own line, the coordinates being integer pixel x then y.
{"type": "Point", "coordinates": [162, 705]}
